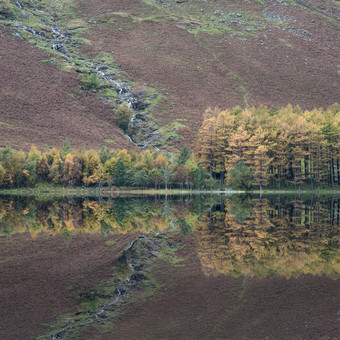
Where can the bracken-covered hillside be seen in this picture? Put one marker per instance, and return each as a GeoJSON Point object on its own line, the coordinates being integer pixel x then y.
{"type": "Point", "coordinates": [168, 60]}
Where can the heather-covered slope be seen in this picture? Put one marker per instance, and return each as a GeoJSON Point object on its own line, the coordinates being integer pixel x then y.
{"type": "Point", "coordinates": [43, 105]}
{"type": "Point", "coordinates": [185, 56]}
{"type": "Point", "coordinates": [201, 54]}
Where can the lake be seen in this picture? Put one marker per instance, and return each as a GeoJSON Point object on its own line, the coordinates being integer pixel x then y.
{"type": "Point", "coordinates": [176, 267]}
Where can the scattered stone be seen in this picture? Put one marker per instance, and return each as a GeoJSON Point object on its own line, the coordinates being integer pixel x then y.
{"type": "Point", "coordinates": [274, 16]}
{"type": "Point", "coordinates": [102, 67]}
{"type": "Point", "coordinates": [299, 32]}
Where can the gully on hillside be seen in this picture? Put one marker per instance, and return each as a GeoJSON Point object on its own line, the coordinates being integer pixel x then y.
{"type": "Point", "coordinates": [65, 42]}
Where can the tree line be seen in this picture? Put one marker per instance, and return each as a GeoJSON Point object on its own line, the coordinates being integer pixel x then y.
{"type": "Point", "coordinates": [148, 168]}
{"type": "Point", "coordinates": [269, 146]}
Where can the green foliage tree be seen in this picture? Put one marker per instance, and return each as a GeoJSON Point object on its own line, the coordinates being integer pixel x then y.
{"type": "Point", "coordinates": [119, 174]}
{"type": "Point", "coordinates": [29, 171]}
{"type": "Point", "coordinates": [198, 175]}
{"type": "Point", "coordinates": [123, 115]}
{"type": "Point", "coordinates": [166, 176]}
{"type": "Point", "coordinates": [154, 177]}
{"type": "Point", "coordinates": [140, 178]}
{"type": "Point", "coordinates": [104, 154]}
{"type": "Point", "coordinates": [183, 156]}
{"type": "Point", "coordinates": [239, 176]}
{"type": "Point", "coordinates": [66, 149]}
{"type": "Point", "coordinates": [34, 155]}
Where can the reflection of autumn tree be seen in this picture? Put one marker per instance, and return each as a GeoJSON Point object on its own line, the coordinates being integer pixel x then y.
{"type": "Point", "coordinates": [240, 236]}
{"type": "Point", "coordinates": [77, 216]}
{"type": "Point", "coordinates": [299, 238]}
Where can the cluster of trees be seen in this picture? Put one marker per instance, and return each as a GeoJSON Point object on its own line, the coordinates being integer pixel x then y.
{"type": "Point", "coordinates": [261, 146]}
{"type": "Point", "coordinates": [286, 239]}
{"type": "Point", "coordinates": [118, 168]}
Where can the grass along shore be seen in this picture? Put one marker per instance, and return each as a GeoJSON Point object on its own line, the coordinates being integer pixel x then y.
{"type": "Point", "coordinates": [66, 191]}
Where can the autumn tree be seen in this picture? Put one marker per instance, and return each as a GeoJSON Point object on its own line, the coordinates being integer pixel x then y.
{"type": "Point", "coordinates": [257, 158]}
{"type": "Point", "coordinates": [93, 169]}
{"type": "Point", "coordinates": [206, 144]}
{"type": "Point", "coordinates": [182, 175]}
{"type": "Point", "coordinates": [43, 168]}
{"type": "Point", "coordinates": [2, 174]}
{"type": "Point", "coordinates": [56, 164]}
{"type": "Point", "coordinates": [68, 171]}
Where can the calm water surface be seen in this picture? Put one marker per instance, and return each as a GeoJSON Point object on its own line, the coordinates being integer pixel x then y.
{"type": "Point", "coordinates": [241, 246]}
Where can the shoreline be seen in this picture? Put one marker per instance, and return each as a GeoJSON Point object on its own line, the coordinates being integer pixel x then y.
{"type": "Point", "coordinates": [115, 192]}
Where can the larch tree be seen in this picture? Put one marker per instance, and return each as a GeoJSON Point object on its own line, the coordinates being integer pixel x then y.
{"type": "Point", "coordinates": [237, 148]}
{"type": "Point", "coordinates": [206, 144]}
{"type": "Point", "coordinates": [224, 129]}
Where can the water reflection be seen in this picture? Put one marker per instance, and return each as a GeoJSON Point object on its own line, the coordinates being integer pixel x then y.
{"type": "Point", "coordinates": [259, 237]}
{"type": "Point", "coordinates": [119, 215]}
{"type": "Point", "coordinates": [236, 236]}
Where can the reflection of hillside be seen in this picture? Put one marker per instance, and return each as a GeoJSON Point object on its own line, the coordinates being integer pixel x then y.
{"type": "Point", "coordinates": [78, 216]}
{"type": "Point", "coordinates": [275, 240]}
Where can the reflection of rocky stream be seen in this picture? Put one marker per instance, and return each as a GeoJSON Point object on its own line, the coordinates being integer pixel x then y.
{"type": "Point", "coordinates": [112, 294]}
{"type": "Point", "coordinates": [61, 42]}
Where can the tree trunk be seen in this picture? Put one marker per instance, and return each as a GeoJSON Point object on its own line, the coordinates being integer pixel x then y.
{"type": "Point", "coordinates": [338, 170]}
{"type": "Point", "coordinates": [332, 173]}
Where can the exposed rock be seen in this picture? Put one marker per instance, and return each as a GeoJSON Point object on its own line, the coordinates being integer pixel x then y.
{"type": "Point", "coordinates": [102, 68]}
{"type": "Point", "coordinates": [138, 104]}
{"type": "Point", "coordinates": [59, 47]}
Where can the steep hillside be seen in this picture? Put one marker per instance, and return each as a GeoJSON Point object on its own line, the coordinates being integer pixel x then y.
{"type": "Point", "coordinates": [169, 61]}
{"type": "Point", "coordinates": [43, 105]}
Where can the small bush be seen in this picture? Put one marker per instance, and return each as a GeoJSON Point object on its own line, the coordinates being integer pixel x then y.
{"type": "Point", "coordinates": [91, 81]}
{"type": "Point", "coordinates": [123, 116]}
{"type": "Point", "coordinates": [6, 8]}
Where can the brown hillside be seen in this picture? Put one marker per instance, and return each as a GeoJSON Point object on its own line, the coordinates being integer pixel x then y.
{"type": "Point", "coordinates": [43, 105]}
{"type": "Point", "coordinates": [195, 54]}
{"type": "Point", "coordinates": [291, 59]}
